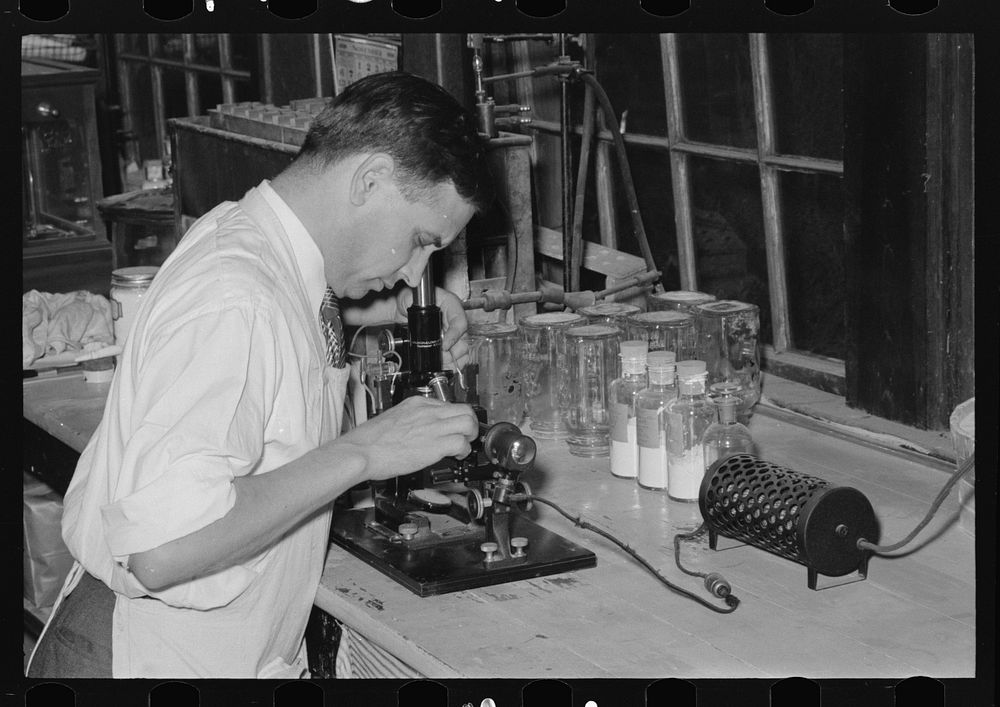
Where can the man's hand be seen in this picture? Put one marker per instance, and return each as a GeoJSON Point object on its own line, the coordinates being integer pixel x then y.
{"type": "Point", "coordinates": [454, 345]}
{"type": "Point", "coordinates": [412, 435]}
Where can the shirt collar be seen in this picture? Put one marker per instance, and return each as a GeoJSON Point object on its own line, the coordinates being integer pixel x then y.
{"type": "Point", "coordinates": [307, 255]}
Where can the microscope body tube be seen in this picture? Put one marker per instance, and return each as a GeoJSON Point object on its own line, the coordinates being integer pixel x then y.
{"type": "Point", "coordinates": [423, 318]}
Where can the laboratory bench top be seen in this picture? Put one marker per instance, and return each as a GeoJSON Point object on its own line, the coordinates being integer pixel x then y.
{"type": "Point", "coordinates": [914, 614]}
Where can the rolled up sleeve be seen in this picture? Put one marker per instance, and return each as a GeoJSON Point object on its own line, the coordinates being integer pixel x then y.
{"type": "Point", "coordinates": [203, 393]}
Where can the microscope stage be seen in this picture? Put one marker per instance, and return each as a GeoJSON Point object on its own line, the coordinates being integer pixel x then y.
{"type": "Point", "coordinates": [450, 561]}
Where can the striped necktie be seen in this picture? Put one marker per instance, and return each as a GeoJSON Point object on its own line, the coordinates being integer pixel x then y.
{"type": "Point", "coordinates": [333, 329]}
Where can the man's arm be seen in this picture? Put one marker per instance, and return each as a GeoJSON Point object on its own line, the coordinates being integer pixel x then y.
{"type": "Point", "coordinates": [406, 438]}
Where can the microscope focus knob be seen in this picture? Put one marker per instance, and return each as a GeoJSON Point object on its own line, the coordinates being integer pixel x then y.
{"type": "Point", "coordinates": [518, 543]}
{"type": "Point", "coordinates": [408, 530]}
{"type": "Point", "coordinates": [489, 549]}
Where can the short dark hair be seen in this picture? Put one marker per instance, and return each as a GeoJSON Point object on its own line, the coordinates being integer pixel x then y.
{"type": "Point", "coordinates": [419, 124]}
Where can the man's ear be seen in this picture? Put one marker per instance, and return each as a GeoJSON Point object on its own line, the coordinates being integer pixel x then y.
{"type": "Point", "coordinates": [374, 173]}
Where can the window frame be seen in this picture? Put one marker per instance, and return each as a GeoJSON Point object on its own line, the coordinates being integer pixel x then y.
{"type": "Point", "coordinates": [192, 70]}
{"type": "Point", "coordinates": [779, 355]}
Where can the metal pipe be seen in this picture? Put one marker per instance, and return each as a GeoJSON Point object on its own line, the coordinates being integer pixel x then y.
{"type": "Point", "coordinates": [505, 300]}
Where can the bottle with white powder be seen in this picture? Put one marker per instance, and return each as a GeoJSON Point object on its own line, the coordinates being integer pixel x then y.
{"type": "Point", "coordinates": [621, 394]}
{"type": "Point", "coordinates": [688, 417]}
{"type": "Point", "coordinates": [650, 409]}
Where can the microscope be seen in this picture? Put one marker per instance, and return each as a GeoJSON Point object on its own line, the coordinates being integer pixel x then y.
{"type": "Point", "coordinates": [459, 523]}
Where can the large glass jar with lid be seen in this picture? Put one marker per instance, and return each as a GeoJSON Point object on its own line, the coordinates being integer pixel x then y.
{"type": "Point", "coordinates": [613, 313]}
{"type": "Point", "coordinates": [728, 333]}
{"type": "Point", "coordinates": [592, 362]}
{"type": "Point", "coordinates": [546, 393]}
{"type": "Point", "coordinates": [667, 330]}
{"type": "Point", "coordinates": [679, 300]}
{"type": "Point", "coordinates": [495, 358]}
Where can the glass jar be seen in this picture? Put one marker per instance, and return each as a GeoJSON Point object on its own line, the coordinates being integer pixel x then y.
{"type": "Point", "coordinates": [128, 286]}
{"type": "Point", "coordinates": [680, 300]}
{"type": "Point", "coordinates": [592, 363]}
{"type": "Point", "coordinates": [728, 333]}
{"type": "Point", "coordinates": [613, 313]}
{"type": "Point", "coordinates": [651, 421]}
{"type": "Point", "coordinates": [621, 394]}
{"type": "Point", "coordinates": [666, 330]}
{"type": "Point", "coordinates": [495, 353]}
{"type": "Point", "coordinates": [543, 382]}
{"type": "Point", "coordinates": [688, 418]}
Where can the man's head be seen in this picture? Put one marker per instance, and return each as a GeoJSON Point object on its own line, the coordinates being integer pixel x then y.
{"type": "Point", "coordinates": [431, 138]}
{"type": "Point", "coordinates": [390, 171]}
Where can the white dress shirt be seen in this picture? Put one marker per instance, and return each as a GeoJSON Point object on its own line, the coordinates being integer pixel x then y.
{"type": "Point", "coordinates": [223, 375]}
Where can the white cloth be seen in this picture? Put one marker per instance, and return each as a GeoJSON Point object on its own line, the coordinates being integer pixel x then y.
{"type": "Point", "coordinates": [223, 375]}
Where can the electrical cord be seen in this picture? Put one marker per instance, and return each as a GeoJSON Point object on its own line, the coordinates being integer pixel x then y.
{"type": "Point", "coordinates": [731, 601]}
{"type": "Point", "coordinates": [882, 549]}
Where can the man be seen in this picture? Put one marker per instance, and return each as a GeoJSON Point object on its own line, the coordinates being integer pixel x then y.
{"type": "Point", "coordinates": [199, 511]}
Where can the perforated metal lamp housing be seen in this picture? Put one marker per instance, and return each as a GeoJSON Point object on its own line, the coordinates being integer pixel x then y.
{"type": "Point", "coordinates": [790, 514]}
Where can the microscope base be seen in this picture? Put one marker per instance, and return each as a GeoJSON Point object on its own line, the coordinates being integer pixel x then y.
{"type": "Point", "coordinates": [431, 564]}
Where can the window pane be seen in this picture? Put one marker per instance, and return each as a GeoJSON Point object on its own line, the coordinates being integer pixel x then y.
{"type": "Point", "coordinates": [807, 75]}
{"type": "Point", "coordinates": [243, 48]}
{"type": "Point", "coordinates": [813, 213]}
{"type": "Point", "coordinates": [630, 71]}
{"type": "Point", "coordinates": [169, 46]}
{"type": "Point", "coordinates": [717, 88]}
{"type": "Point", "coordinates": [174, 94]}
{"type": "Point", "coordinates": [729, 234]}
{"type": "Point", "coordinates": [245, 91]}
{"type": "Point", "coordinates": [206, 49]}
{"type": "Point", "coordinates": [134, 44]}
{"type": "Point", "coordinates": [209, 91]}
{"type": "Point", "coordinates": [651, 175]}
{"type": "Point", "coordinates": [141, 113]}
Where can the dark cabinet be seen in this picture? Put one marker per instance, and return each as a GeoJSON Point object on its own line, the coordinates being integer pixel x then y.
{"type": "Point", "coordinates": [64, 242]}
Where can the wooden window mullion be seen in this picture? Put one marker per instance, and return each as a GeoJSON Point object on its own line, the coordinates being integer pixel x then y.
{"type": "Point", "coordinates": [770, 187]}
{"type": "Point", "coordinates": [680, 177]}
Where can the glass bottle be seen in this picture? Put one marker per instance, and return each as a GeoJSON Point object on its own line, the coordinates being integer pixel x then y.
{"type": "Point", "coordinates": [726, 436]}
{"type": "Point", "coordinates": [651, 430]}
{"type": "Point", "coordinates": [688, 417]}
{"type": "Point", "coordinates": [621, 393]}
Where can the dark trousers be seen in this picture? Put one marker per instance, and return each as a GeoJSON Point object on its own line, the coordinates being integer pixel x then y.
{"type": "Point", "coordinates": [77, 641]}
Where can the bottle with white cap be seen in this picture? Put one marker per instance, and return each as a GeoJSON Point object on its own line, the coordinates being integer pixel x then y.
{"type": "Point", "coordinates": [650, 408]}
{"type": "Point", "coordinates": [621, 394]}
{"type": "Point", "coordinates": [688, 417]}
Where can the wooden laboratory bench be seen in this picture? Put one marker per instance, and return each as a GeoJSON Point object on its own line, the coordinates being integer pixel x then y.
{"type": "Point", "coordinates": [913, 615]}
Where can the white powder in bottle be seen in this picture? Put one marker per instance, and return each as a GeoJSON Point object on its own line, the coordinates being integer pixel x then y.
{"type": "Point", "coordinates": [653, 467]}
{"type": "Point", "coordinates": [686, 473]}
{"type": "Point", "coordinates": [625, 455]}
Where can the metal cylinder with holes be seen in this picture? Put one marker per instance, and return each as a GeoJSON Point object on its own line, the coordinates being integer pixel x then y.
{"type": "Point", "coordinates": [788, 513]}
